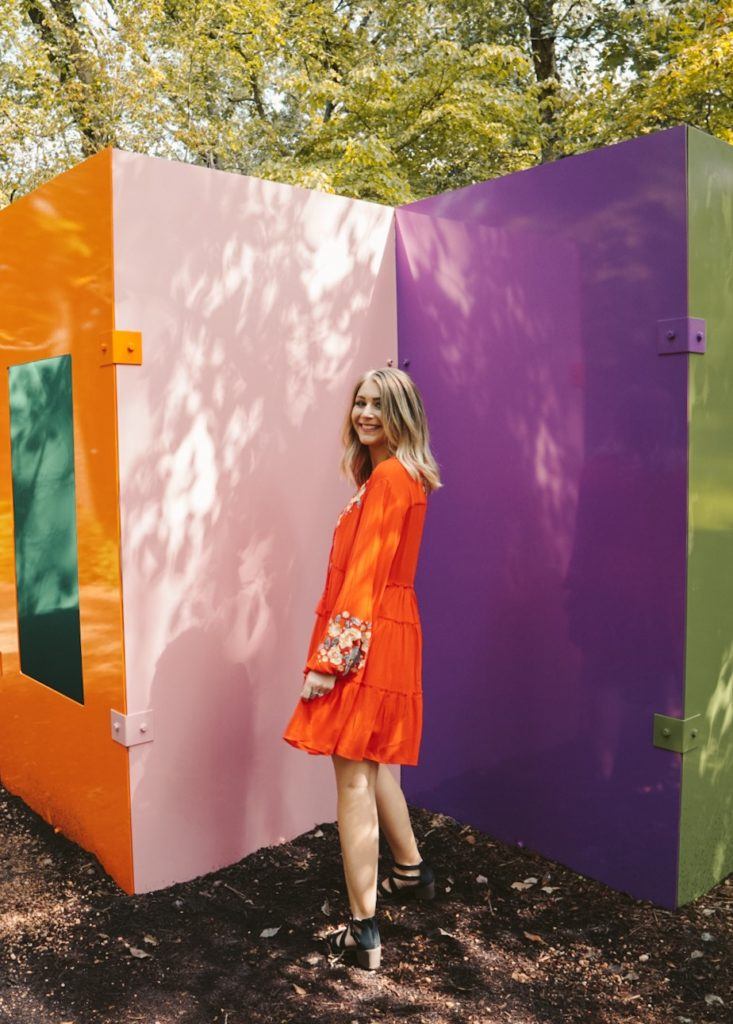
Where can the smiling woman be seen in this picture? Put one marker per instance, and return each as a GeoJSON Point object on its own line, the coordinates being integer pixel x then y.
{"type": "Point", "coordinates": [366, 417]}
{"type": "Point", "coordinates": [361, 700]}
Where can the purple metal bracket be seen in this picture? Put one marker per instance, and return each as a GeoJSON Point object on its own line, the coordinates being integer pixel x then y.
{"type": "Point", "coordinates": [684, 334]}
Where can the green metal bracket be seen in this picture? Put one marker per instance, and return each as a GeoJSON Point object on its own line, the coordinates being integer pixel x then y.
{"type": "Point", "coordinates": [678, 734]}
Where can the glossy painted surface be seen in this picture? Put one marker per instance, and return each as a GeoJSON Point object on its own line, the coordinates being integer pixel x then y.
{"type": "Point", "coordinates": [56, 298]}
{"type": "Point", "coordinates": [44, 519]}
{"type": "Point", "coordinates": [259, 304]}
{"type": "Point", "coordinates": [552, 576]}
{"type": "Point", "coordinates": [706, 835]}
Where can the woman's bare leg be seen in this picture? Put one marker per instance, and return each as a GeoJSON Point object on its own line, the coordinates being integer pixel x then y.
{"type": "Point", "coordinates": [358, 832]}
{"type": "Point", "coordinates": [394, 821]}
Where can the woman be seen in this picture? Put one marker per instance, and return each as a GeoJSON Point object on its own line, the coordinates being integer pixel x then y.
{"type": "Point", "coordinates": [362, 699]}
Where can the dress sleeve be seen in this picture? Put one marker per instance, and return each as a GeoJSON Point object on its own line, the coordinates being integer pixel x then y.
{"type": "Point", "coordinates": [345, 643]}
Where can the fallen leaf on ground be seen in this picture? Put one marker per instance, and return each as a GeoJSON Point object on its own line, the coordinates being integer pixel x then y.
{"type": "Point", "coordinates": [526, 884]}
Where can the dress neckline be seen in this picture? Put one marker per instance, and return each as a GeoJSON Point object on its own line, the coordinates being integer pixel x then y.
{"type": "Point", "coordinates": [355, 499]}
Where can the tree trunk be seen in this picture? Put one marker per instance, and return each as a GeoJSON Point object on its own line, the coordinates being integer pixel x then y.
{"type": "Point", "coordinates": [58, 30]}
{"type": "Point", "coordinates": [542, 32]}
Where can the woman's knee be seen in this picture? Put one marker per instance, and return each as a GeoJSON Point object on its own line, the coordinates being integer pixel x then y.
{"type": "Point", "coordinates": [355, 776]}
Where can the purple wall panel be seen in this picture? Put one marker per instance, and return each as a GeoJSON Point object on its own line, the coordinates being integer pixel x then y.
{"type": "Point", "coordinates": [552, 576]}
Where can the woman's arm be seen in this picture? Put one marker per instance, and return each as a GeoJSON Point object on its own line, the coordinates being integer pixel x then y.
{"type": "Point", "coordinates": [344, 646]}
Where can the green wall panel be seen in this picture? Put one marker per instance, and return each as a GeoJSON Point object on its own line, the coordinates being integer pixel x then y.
{"type": "Point", "coordinates": [44, 510]}
{"type": "Point", "coordinates": [706, 827]}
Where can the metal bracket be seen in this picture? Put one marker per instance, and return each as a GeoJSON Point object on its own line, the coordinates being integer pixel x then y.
{"type": "Point", "coordinates": [130, 730]}
{"type": "Point", "coordinates": [684, 334]}
{"type": "Point", "coordinates": [121, 348]}
{"type": "Point", "coordinates": [678, 734]}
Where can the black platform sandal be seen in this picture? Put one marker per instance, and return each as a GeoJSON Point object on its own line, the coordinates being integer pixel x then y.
{"type": "Point", "coordinates": [421, 887]}
{"type": "Point", "coordinates": [368, 948]}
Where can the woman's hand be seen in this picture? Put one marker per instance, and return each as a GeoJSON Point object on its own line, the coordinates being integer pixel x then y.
{"type": "Point", "coordinates": [317, 684]}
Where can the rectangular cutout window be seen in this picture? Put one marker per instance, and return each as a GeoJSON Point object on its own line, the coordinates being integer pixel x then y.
{"type": "Point", "coordinates": [44, 503]}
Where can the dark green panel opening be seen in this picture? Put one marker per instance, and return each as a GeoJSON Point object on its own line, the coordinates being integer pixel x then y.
{"type": "Point", "coordinates": [44, 501]}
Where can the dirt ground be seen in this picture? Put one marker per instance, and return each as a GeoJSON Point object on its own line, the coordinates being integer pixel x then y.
{"type": "Point", "coordinates": [511, 937]}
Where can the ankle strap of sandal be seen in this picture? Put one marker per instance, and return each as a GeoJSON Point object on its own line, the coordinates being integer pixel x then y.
{"type": "Point", "coordinates": [406, 867]}
{"type": "Point", "coordinates": [362, 922]}
{"type": "Point", "coordinates": [365, 930]}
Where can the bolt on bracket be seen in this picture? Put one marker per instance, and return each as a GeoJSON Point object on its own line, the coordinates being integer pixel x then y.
{"type": "Point", "coordinates": [678, 734]}
{"type": "Point", "coordinates": [130, 730]}
{"type": "Point", "coordinates": [683, 334]}
{"type": "Point", "coordinates": [121, 348]}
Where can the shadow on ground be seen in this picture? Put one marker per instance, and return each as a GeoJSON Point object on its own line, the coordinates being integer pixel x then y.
{"type": "Point", "coordinates": [511, 937]}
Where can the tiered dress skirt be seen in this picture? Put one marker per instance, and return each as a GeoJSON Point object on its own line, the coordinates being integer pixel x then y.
{"type": "Point", "coordinates": [374, 714]}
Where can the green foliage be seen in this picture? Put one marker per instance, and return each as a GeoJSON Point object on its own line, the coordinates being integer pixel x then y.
{"type": "Point", "coordinates": [380, 99]}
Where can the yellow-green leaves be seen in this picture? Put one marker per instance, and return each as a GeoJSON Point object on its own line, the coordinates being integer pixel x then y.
{"type": "Point", "coordinates": [388, 100]}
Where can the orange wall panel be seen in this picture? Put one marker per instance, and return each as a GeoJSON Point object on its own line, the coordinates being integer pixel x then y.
{"type": "Point", "coordinates": [57, 297]}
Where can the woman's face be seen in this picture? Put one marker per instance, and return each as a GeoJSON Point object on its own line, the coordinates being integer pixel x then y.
{"type": "Point", "coordinates": [366, 416]}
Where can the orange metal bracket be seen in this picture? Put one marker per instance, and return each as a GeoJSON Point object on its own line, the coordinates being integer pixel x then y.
{"type": "Point", "coordinates": [122, 347]}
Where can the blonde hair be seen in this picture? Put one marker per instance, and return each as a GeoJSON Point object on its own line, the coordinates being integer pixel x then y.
{"type": "Point", "coordinates": [405, 426]}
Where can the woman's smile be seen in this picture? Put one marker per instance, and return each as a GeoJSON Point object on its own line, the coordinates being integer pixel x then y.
{"type": "Point", "coordinates": [366, 419]}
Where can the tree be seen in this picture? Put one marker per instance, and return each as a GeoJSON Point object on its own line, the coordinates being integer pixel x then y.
{"type": "Point", "coordinates": [389, 100]}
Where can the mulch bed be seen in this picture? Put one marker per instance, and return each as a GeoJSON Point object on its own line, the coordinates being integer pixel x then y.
{"type": "Point", "coordinates": [511, 937]}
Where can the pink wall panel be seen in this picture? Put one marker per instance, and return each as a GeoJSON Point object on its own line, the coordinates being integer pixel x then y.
{"type": "Point", "coordinates": [259, 304]}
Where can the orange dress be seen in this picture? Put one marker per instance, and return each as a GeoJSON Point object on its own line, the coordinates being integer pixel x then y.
{"type": "Point", "coordinates": [367, 630]}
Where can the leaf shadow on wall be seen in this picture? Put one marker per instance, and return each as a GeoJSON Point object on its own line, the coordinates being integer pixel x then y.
{"type": "Point", "coordinates": [259, 304]}
{"type": "Point", "coordinates": [532, 302]}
